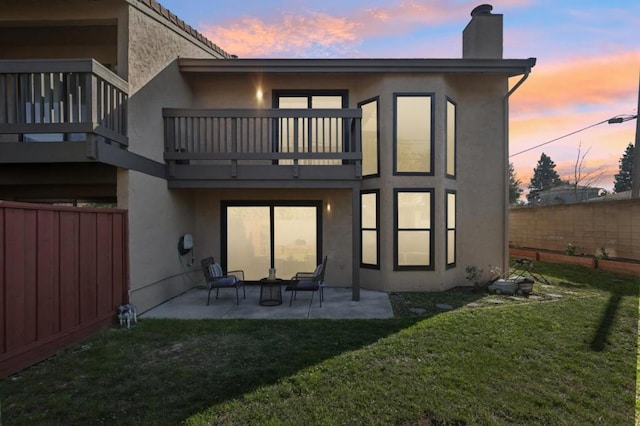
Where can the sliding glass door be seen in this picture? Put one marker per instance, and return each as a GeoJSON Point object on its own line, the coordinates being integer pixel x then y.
{"type": "Point", "coordinates": [285, 236]}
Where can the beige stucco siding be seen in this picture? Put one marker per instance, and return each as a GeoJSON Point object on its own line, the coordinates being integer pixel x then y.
{"type": "Point", "coordinates": [157, 215]}
{"type": "Point", "coordinates": [482, 171]}
{"type": "Point", "coordinates": [157, 219]}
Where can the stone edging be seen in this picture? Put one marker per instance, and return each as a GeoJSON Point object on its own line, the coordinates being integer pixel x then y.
{"type": "Point", "coordinates": [620, 267]}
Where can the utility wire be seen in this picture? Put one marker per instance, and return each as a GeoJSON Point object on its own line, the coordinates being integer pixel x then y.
{"type": "Point", "coordinates": [553, 140]}
{"type": "Point", "coordinates": [613, 120]}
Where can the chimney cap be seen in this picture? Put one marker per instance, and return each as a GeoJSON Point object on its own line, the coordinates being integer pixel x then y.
{"type": "Point", "coordinates": [483, 9]}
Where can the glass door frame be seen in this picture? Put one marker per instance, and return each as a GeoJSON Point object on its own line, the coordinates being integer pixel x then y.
{"type": "Point", "coordinates": [272, 204]}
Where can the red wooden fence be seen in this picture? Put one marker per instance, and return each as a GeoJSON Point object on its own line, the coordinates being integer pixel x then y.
{"type": "Point", "coordinates": [63, 272]}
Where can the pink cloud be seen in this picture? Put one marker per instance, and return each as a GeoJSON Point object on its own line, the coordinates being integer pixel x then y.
{"type": "Point", "coordinates": [592, 81]}
{"type": "Point", "coordinates": [252, 37]}
{"type": "Point", "coordinates": [322, 34]}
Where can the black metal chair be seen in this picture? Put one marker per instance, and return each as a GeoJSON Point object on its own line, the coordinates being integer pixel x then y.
{"type": "Point", "coordinates": [215, 278]}
{"type": "Point", "coordinates": [309, 281]}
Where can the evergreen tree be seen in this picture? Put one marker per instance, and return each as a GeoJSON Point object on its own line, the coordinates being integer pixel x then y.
{"type": "Point", "coordinates": [622, 180]}
{"type": "Point", "coordinates": [514, 186]}
{"type": "Point", "coordinates": [544, 177]}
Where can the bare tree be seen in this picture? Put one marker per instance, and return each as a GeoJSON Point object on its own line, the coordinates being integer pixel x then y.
{"type": "Point", "coordinates": [583, 180]}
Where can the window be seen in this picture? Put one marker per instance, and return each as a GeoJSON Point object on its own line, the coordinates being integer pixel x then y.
{"type": "Point", "coordinates": [310, 134]}
{"type": "Point", "coordinates": [413, 134]}
{"type": "Point", "coordinates": [451, 139]}
{"type": "Point", "coordinates": [413, 220]}
{"type": "Point", "coordinates": [257, 236]}
{"type": "Point", "coordinates": [369, 234]}
{"type": "Point", "coordinates": [451, 228]}
{"type": "Point", "coordinates": [370, 163]}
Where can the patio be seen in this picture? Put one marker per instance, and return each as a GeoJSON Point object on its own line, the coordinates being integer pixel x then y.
{"type": "Point", "coordinates": [337, 304]}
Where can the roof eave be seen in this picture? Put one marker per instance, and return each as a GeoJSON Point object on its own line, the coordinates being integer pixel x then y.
{"type": "Point", "coordinates": [510, 67]}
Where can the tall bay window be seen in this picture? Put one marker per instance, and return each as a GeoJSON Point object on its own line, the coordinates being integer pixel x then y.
{"type": "Point", "coordinates": [370, 233]}
{"type": "Point", "coordinates": [451, 228]}
{"type": "Point", "coordinates": [413, 134]}
{"type": "Point", "coordinates": [413, 221]}
{"type": "Point", "coordinates": [370, 163]}
{"type": "Point", "coordinates": [450, 152]}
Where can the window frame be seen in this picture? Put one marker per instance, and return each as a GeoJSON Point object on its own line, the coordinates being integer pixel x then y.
{"type": "Point", "coordinates": [455, 139]}
{"type": "Point", "coordinates": [376, 229]}
{"type": "Point", "coordinates": [448, 228]}
{"type": "Point", "coordinates": [431, 96]}
{"type": "Point", "coordinates": [276, 94]}
{"type": "Point", "coordinates": [396, 230]}
{"type": "Point", "coordinates": [375, 99]}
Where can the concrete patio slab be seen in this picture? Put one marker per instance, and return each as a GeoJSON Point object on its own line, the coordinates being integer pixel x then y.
{"type": "Point", "coordinates": [337, 304]}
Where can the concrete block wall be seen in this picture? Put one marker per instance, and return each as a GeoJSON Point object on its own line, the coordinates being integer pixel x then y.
{"type": "Point", "coordinates": [612, 225]}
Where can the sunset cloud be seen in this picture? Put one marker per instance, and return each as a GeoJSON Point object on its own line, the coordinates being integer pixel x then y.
{"type": "Point", "coordinates": [584, 81]}
{"type": "Point", "coordinates": [292, 34]}
{"type": "Point", "coordinates": [320, 34]}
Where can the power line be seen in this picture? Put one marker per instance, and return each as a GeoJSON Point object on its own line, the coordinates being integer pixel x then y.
{"type": "Point", "coordinates": [613, 120]}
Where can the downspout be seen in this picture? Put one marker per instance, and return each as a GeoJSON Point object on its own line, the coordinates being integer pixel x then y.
{"type": "Point", "coordinates": [505, 231]}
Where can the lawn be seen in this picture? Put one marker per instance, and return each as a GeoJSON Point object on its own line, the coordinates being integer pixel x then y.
{"type": "Point", "coordinates": [566, 355]}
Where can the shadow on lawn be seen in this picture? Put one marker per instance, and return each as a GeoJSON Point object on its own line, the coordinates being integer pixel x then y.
{"type": "Point", "coordinates": [618, 292]}
{"type": "Point", "coordinates": [163, 371]}
{"type": "Point", "coordinates": [618, 286]}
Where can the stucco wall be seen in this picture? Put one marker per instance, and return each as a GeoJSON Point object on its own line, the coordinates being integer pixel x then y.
{"type": "Point", "coordinates": [157, 219]}
{"type": "Point", "coordinates": [482, 171]}
{"type": "Point", "coordinates": [154, 44]}
{"type": "Point", "coordinates": [614, 225]}
{"type": "Point", "coordinates": [157, 215]}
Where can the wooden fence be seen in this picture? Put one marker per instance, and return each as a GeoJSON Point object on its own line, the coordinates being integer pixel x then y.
{"type": "Point", "coordinates": [63, 272]}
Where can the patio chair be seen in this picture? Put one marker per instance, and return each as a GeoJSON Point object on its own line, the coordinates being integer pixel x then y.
{"type": "Point", "coordinates": [309, 281]}
{"type": "Point", "coordinates": [216, 279]}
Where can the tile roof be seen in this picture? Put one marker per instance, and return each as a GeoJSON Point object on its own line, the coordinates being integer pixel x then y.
{"type": "Point", "coordinates": [166, 14]}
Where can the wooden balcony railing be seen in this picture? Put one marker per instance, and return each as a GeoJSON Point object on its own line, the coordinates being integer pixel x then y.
{"type": "Point", "coordinates": [234, 140]}
{"type": "Point", "coordinates": [62, 97]}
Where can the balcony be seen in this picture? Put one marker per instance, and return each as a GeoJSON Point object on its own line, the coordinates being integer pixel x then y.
{"type": "Point", "coordinates": [63, 101]}
{"type": "Point", "coordinates": [262, 147]}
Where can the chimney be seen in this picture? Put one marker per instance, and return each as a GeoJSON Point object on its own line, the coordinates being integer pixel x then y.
{"type": "Point", "coordinates": [482, 38]}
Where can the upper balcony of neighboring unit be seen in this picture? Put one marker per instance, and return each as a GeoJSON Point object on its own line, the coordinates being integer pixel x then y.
{"type": "Point", "coordinates": [49, 94]}
{"type": "Point", "coordinates": [69, 67]}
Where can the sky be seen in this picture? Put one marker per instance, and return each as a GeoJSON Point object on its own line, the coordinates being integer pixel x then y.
{"type": "Point", "coordinates": [587, 70]}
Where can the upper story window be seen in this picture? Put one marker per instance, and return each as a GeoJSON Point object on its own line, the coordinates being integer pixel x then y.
{"type": "Point", "coordinates": [413, 133]}
{"type": "Point", "coordinates": [370, 146]}
{"type": "Point", "coordinates": [450, 153]}
{"type": "Point", "coordinates": [309, 134]}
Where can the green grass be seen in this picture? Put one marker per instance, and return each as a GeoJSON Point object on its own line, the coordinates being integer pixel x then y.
{"type": "Point", "coordinates": [567, 355]}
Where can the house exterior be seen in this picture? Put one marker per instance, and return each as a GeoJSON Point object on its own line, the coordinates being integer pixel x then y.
{"type": "Point", "coordinates": [396, 169]}
{"type": "Point", "coordinates": [568, 194]}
